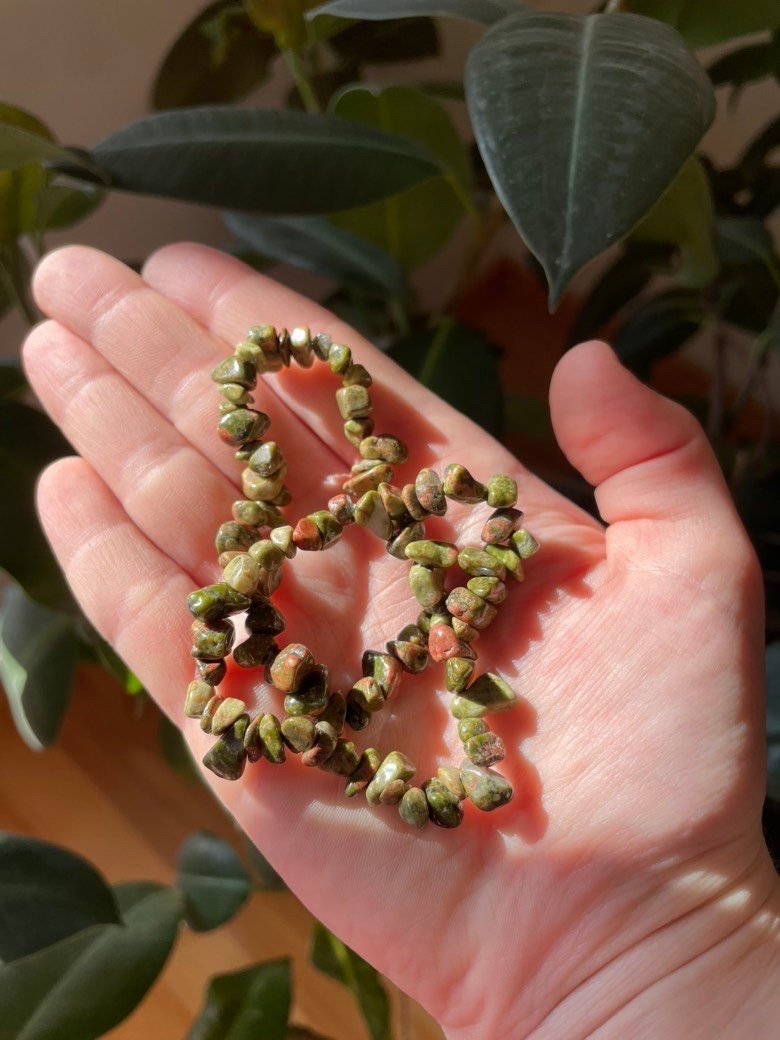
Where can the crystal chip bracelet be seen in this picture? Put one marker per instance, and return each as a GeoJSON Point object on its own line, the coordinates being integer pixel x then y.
{"type": "Point", "coordinates": [253, 549]}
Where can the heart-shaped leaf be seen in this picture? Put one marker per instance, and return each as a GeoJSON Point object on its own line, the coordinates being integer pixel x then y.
{"type": "Point", "coordinates": [705, 24]}
{"type": "Point", "coordinates": [658, 328]}
{"type": "Point", "coordinates": [46, 894]}
{"type": "Point", "coordinates": [38, 653]}
{"type": "Point", "coordinates": [484, 11]}
{"type": "Point", "coordinates": [315, 244]}
{"type": "Point", "coordinates": [28, 441]}
{"type": "Point", "coordinates": [252, 1004]}
{"type": "Point", "coordinates": [82, 986]}
{"type": "Point", "coordinates": [411, 225]}
{"type": "Point", "coordinates": [335, 958]}
{"type": "Point", "coordinates": [219, 57]}
{"type": "Point", "coordinates": [569, 112]}
{"type": "Point", "coordinates": [62, 206]}
{"type": "Point", "coordinates": [212, 880]}
{"type": "Point", "coordinates": [264, 161]}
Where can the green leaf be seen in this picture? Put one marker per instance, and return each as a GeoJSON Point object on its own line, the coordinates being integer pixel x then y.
{"type": "Point", "coordinates": [284, 19]}
{"type": "Point", "coordinates": [264, 161]}
{"type": "Point", "coordinates": [19, 147]}
{"type": "Point", "coordinates": [773, 720]}
{"type": "Point", "coordinates": [38, 654]}
{"type": "Point", "coordinates": [704, 24]}
{"type": "Point", "coordinates": [315, 244]}
{"type": "Point", "coordinates": [411, 225]}
{"type": "Point", "coordinates": [106, 655]}
{"type": "Point", "coordinates": [82, 986]}
{"type": "Point", "coordinates": [684, 217]}
{"type": "Point", "coordinates": [219, 57]}
{"type": "Point", "coordinates": [29, 440]}
{"type": "Point", "coordinates": [46, 894]}
{"type": "Point", "coordinates": [61, 206]}
{"type": "Point", "coordinates": [658, 328]}
{"type": "Point", "coordinates": [743, 241]}
{"type": "Point", "coordinates": [459, 364]}
{"type": "Point", "coordinates": [569, 126]}
{"type": "Point", "coordinates": [212, 880]}
{"type": "Point", "coordinates": [335, 958]}
{"type": "Point", "coordinates": [13, 383]}
{"type": "Point", "coordinates": [10, 115]}
{"type": "Point", "coordinates": [377, 43]}
{"type": "Point", "coordinates": [746, 65]}
{"type": "Point", "coordinates": [484, 11]}
{"type": "Point", "coordinates": [176, 752]}
{"type": "Point", "coordinates": [252, 1004]}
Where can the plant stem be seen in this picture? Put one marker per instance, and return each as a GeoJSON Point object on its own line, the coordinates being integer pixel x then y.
{"type": "Point", "coordinates": [445, 327]}
{"type": "Point", "coordinates": [301, 80]}
{"type": "Point", "coordinates": [14, 276]}
{"type": "Point", "coordinates": [612, 6]}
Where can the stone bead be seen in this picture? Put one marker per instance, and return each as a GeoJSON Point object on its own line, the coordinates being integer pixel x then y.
{"type": "Point", "coordinates": [212, 640]}
{"type": "Point", "coordinates": [413, 656]}
{"type": "Point", "coordinates": [412, 634]}
{"type": "Point", "coordinates": [298, 734]}
{"type": "Point", "coordinates": [207, 714]}
{"type": "Point", "coordinates": [224, 558]}
{"type": "Point", "coordinates": [323, 747]}
{"type": "Point", "coordinates": [450, 777]}
{"type": "Point", "coordinates": [500, 526]}
{"type": "Point", "coordinates": [339, 358]}
{"type": "Point", "coordinates": [414, 506]}
{"type": "Point", "coordinates": [439, 615]}
{"type": "Point", "coordinates": [274, 517]}
{"type": "Point", "coordinates": [262, 489]}
{"type": "Point", "coordinates": [364, 465]}
{"type": "Point", "coordinates": [460, 486]}
{"type": "Point", "coordinates": [385, 668]}
{"type": "Point", "coordinates": [458, 673]}
{"type": "Point", "coordinates": [242, 573]}
{"type": "Point", "coordinates": [306, 535]}
{"type": "Point", "coordinates": [485, 749]}
{"type": "Point", "coordinates": [486, 695]}
{"type": "Point", "coordinates": [430, 493]}
{"type": "Point", "coordinates": [300, 346]}
{"type": "Point", "coordinates": [444, 807]}
{"type": "Point", "coordinates": [227, 756]}
{"type": "Point", "coordinates": [501, 492]}
{"type": "Point", "coordinates": [264, 619]}
{"type": "Point", "coordinates": [357, 717]}
{"type": "Point", "coordinates": [199, 693]}
{"type": "Point", "coordinates": [362, 774]}
{"type": "Point", "coordinates": [267, 459]}
{"type": "Point", "coordinates": [263, 336]}
{"type": "Point", "coordinates": [395, 766]}
{"type": "Point", "coordinates": [424, 623]}
{"type": "Point", "coordinates": [215, 602]}
{"type": "Point", "coordinates": [444, 644]}
{"type": "Point", "coordinates": [235, 537]}
{"type": "Point", "coordinates": [393, 792]}
{"type": "Point", "coordinates": [524, 544]}
{"type": "Point", "coordinates": [509, 559]}
{"type": "Point", "coordinates": [247, 512]}
{"type": "Point", "coordinates": [320, 345]}
{"type": "Point", "coordinates": [394, 504]}
{"type": "Point", "coordinates": [282, 537]}
{"type": "Point", "coordinates": [353, 402]}
{"type": "Point", "coordinates": [267, 554]}
{"type": "Point", "coordinates": [367, 480]}
{"type": "Point", "coordinates": [335, 712]}
{"type": "Point", "coordinates": [478, 563]}
{"type": "Point", "coordinates": [255, 651]}
{"type": "Point", "coordinates": [385, 447]}
{"type": "Point", "coordinates": [235, 393]}
{"type": "Point", "coordinates": [311, 695]}
{"type": "Point", "coordinates": [251, 352]}
{"type": "Point", "coordinates": [252, 742]}
{"type": "Point", "coordinates": [328, 526]}
{"type": "Point", "coordinates": [464, 631]}
{"type": "Point", "coordinates": [396, 546]}
{"type": "Point", "coordinates": [487, 789]}
{"type": "Point", "coordinates": [283, 498]}
{"type": "Point", "coordinates": [291, 666]}
{"type": "Point", "coordinates": [270, 733]}
{"type": "Point", "coordinates": [356, 429]}
{"type": "Point", "coordinates": [368, 693]}
{"type": "Point", "coordinates": [344, 759]}
{"type": "Point", "coordinates": [491, 589]}
{"type": "Point", "coordinates": [472, 609]}
{"type": "Point", "coordinates": [235, 370]}
{"type": "Point", "coordinates": [242, 425]}
{"type": "Point", "coordinates": [225, 407]}
{"type": "Point", "coordinates": [268, 582]}
{"type": "Point", "coordinates": [432, 554]}
{"type": "Point", "coordinates": [342, 508]}
{"type": "Point", "coordinates": [230, 709]}
{"type": "Point", "coordinates": [245, 451]}
{"type": "Point", "coordinates": [283, 339]}
{"type": "Point", "coordinates": [212, 672]}
{"type": "Point", "coordinates": [413, 808]}
{"type": "Point", "coordinates": [427, 584]}
{"type": "Point", "coordinates": [356, 373]}
{"type": "Point", "coordinates": [371, 514]}
{"type": "Point", "coordinates": [468, 728]}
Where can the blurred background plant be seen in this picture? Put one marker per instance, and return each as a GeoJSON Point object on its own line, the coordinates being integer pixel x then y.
{"type": "Point", "coordinates": [364, 181]}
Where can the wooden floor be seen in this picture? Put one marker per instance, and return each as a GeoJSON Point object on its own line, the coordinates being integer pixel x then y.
{"type": "Point", "coordinates": [105, 791]}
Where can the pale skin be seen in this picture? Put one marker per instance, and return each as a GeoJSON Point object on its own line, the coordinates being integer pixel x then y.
{"type": "Point", "coordinates": [626, 891]}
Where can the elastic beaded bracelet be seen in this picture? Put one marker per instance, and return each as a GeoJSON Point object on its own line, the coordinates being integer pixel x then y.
{"type": "Point", "coordinates": [254, 546]}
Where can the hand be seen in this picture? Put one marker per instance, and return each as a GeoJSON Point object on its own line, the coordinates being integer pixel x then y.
{"type": "Point", "coordinates": [626, 890]}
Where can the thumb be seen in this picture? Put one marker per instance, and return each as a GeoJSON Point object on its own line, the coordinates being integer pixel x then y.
{"type": "Point", "coordinates": [647, 457]}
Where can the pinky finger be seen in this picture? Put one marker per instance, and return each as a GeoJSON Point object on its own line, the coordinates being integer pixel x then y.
{"type": "Point", "coordinates": [130, 591]}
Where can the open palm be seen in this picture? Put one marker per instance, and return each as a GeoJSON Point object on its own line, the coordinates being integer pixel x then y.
{"type": "Point", "coordinates": [633, 846]}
